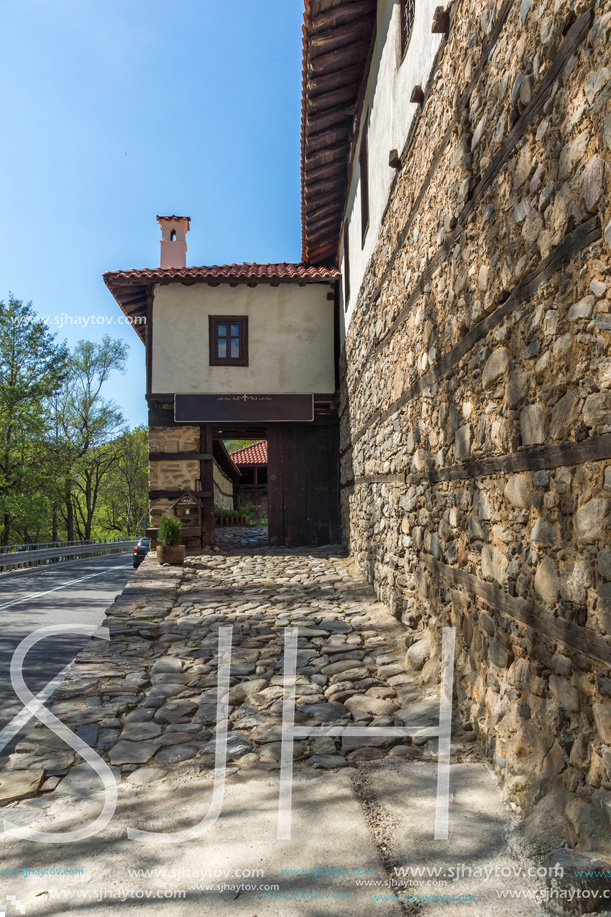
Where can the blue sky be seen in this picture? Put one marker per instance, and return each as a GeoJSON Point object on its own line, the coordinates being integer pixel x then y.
{"type": "Point", "coordinates": [115, 111]}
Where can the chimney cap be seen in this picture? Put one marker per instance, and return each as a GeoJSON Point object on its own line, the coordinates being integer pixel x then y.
{"type": "Point", "coordinates": [173, 217]}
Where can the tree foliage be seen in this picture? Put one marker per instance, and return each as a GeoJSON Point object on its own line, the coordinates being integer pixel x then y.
{"type": "Point", "coordinates": [32, 368]}
{"type": "Point", "coordinates": [232, 445]}
{"type": "Point", "coordinates": [69, 468]}
{"type": "Point", "coordinates": [124, 493]}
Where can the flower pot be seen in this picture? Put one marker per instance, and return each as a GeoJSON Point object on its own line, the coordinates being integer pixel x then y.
{"type": "Point", "coordinates": [171, 554]}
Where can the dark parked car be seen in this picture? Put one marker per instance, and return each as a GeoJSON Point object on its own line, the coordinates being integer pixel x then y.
{"type": "Point", "coordinates": [141, 550]}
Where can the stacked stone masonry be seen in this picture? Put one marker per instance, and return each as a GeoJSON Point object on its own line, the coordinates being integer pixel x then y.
{"type": "Point", "coordinates": [476, 407]}
{"type": "Point", "coordinates": [172, 475]}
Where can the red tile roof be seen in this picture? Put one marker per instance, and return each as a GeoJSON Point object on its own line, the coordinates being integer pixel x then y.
{"type": "Point", "coordinates": [130, 288]}
{"type": "Point", "coordinates": [251, 455]}
{"type": "Point", "coordinates": [222, 272]}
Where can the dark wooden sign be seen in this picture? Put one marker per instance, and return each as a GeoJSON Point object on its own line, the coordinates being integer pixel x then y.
{"type": "Point", "coordinates": [231, 408]}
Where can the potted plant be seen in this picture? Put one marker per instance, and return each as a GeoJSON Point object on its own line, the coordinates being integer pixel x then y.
{"type": "Point", "coordinates": [169, 548]}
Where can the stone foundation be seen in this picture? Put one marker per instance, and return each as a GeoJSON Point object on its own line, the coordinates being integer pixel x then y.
{"type": "Point", "coordinates": [476, 408]}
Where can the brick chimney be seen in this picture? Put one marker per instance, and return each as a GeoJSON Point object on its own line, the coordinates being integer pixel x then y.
{"type": "Point", "coordinates": [173, 240]}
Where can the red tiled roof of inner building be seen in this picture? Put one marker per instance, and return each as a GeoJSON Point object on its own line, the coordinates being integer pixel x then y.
{"type": "Point", "coordinates": [251, 455]}
{"type": "Point", "coordinates": [223, 272]}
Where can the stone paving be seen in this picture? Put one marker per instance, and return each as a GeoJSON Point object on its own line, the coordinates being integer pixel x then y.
{"type": "Point", "coordinates": [146, 701]}
{"type": "Point", "coordinates": [254, 536]}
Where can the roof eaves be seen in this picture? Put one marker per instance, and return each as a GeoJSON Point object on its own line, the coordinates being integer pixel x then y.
{"type": "Point", "coordinates": [332, 80]}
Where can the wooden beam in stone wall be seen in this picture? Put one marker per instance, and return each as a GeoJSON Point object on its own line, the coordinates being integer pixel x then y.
{"type": "Point", "coordinates": [577, 240]}
{"type": "Point", "coordinates": [592, 449]}
{"type": "Point", "coordinates": [576, 35]}
{"type": "Point", "coordinates": [441, 21]}
{"type": "Point", "coordinates": [574, 636]}
{"type": "Point", "coordinates": [557, 455]}
{"type": "Point", "coordinates": [162, 418]}
{"type": "Point", "coordinates": [176, 494]}
{"type": "Point", "coordinates": [380, 479]}
{"type": "Point", "coordinates": [179, 456]}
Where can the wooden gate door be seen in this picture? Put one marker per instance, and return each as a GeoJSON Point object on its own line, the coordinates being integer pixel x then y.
{"type": "Point", "coordinates": [303, 484]}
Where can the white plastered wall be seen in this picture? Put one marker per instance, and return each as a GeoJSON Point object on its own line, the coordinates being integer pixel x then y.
{"type": "Point", "coordinates": [290, 338]}
{"type": "Point", "coordinates": [223, 488]}
{"type": "Point", "coordinates": [387, 116]}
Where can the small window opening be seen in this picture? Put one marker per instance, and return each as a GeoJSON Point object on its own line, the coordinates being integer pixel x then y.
{"type": "Point", "coordinates": [364, 167]}
{"type": "Point", "coordinates": [408, 12]}
{"type": "Point", "coordinates": [173, 236]}
{"type": "Point", "coordinates": [346, 269]}
{"type": "Point", "coordinates": [228, 340]}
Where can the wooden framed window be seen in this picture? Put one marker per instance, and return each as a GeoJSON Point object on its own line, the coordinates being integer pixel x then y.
{"type": "Point", "coordinates": [228, 340]}
{"type": "Point", "coordinates": [346, 276]}
{"type": "Point", "coordinates": [364, 168]}
{"type": "Point", "coordinates": [408, 11]}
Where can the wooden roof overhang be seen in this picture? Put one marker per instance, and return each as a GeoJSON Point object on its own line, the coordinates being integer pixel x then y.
{"type": "Point", "coordinates": [224, 460]}
{"type": "Point", "coordinates": [132, 289]}
{"type": "Point", "coordinates": [337, 44]}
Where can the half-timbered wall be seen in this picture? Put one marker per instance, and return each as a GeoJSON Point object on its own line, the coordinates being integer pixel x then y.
{"type": "Point", "coordinates": [476, 403]}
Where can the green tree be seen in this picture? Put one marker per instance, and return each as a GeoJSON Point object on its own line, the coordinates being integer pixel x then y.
{"type": "Point", "coordinates": [88, 422]}
{"type": "Point", "coordinates": [124, 493]}
{"type": "Point", "coordinates": [32, 368]}
{"type": "Point", "coordinates": [232, 445]}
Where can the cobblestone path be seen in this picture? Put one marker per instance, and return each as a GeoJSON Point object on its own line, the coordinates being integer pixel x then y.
{"type": "Point", "coordinates": [146, 701]}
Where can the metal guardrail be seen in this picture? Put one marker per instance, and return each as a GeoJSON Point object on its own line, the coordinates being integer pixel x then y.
{"type": "Point", "coordinates": [35, 555]}
{"type": "Point", "coordinates": [39, 545]}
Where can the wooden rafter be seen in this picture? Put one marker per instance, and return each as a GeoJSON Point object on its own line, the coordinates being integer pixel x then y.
{"type": "Point", "coordinates": [338, 36]}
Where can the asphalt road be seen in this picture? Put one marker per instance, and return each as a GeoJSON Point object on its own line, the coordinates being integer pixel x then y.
{"type": "Point", "coordinates": [72, 593]}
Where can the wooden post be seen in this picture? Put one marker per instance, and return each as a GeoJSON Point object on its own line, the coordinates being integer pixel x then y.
{"type": "Point", "coordinates": [275, 484]}
{"type": "Point", "coordinates": [207, 479]}
{"type": "Point", "coordinates": [441, 21]}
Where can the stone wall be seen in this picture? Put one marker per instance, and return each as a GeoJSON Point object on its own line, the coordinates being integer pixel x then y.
{"type": "Point", "coordinates": [476, 405]}
{"type": "Point", "coordinates": [223, 489]}
{"type": "Point", "coordinates": [255, 500]}
{"type": "Point", "coordinates": [171, 475]}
